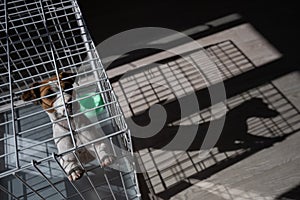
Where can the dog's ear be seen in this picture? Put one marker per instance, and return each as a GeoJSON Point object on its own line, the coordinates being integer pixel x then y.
{"type": "Point", "coordinates": [32, 94]}
{"type": "Point", "coordinates": [66, 75]}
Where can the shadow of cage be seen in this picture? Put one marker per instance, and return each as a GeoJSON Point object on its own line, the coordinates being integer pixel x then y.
{"type": "Point", "coordinates": [255, 119]}
{"type": "Point", "coordinates": [39, 40]}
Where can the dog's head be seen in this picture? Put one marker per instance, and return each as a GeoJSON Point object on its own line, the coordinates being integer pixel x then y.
{"type": "Point", "coordinates": [47, 93]}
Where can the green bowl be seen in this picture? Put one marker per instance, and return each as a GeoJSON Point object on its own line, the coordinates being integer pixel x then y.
{"type": "Point", "coordinates": [91, 102]}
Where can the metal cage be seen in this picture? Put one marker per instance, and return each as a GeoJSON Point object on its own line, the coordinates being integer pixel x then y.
{"type": "Point", "coordinates": [38, 40]}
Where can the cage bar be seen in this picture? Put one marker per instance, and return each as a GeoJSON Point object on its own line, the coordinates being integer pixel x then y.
{"type": "Point", "coordinates": [39, 40]}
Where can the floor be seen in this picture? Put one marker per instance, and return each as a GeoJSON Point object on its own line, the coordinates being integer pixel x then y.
{"type": "Point", "coordinates": [244, 58]}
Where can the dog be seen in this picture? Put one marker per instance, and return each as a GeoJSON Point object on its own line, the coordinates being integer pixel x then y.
{"type": "Point", "coordinates": [47, 94]}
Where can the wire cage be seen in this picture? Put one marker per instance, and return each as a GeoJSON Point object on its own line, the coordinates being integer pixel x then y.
{"type": "Point", "coordinates": [39, 40]}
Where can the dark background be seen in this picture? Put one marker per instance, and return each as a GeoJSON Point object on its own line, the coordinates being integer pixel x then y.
{"type": "Point", "coordinates": [276, 21]}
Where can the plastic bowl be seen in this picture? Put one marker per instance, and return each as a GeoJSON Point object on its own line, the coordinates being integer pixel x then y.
{"type": "Point", "coordinates": [93, 101]}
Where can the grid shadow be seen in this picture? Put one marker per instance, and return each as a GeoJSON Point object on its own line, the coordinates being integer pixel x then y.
{"type": "Point", "coordinates": [261, 117]}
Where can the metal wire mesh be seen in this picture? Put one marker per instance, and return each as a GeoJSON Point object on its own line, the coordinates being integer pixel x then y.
{"type": "Point", "coordinates": [38, 40]}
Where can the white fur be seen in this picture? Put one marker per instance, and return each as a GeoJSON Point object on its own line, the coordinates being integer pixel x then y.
{"type": "Point", "coordinates": [61, 127]}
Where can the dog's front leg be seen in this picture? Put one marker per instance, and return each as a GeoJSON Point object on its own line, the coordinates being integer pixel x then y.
{"type": "Point", "coordinates": [68, 161]}
{"type": "Point", "coordinates": [101, 149]}
{"type": "Point", "coordinates": [104, 154]}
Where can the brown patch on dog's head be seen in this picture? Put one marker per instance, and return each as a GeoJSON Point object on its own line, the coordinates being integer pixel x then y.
{"type": "Point", "coordinates": [46, 92]}
{"type": "Point", "coordinates": [67, 76]}
{"type": "Point", "coordinates": [32, 94]}
{"type": "Point", "coordinates": [66, 81]}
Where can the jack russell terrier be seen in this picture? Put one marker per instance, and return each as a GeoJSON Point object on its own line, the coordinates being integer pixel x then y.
{"type": "Point", "coordinates": [57, 107]}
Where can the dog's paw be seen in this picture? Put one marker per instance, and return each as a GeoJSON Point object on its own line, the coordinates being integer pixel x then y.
{"type": "Point", "coordinates": [107, 160]}
{"type": "Point", "coordinates": [75, 174]}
